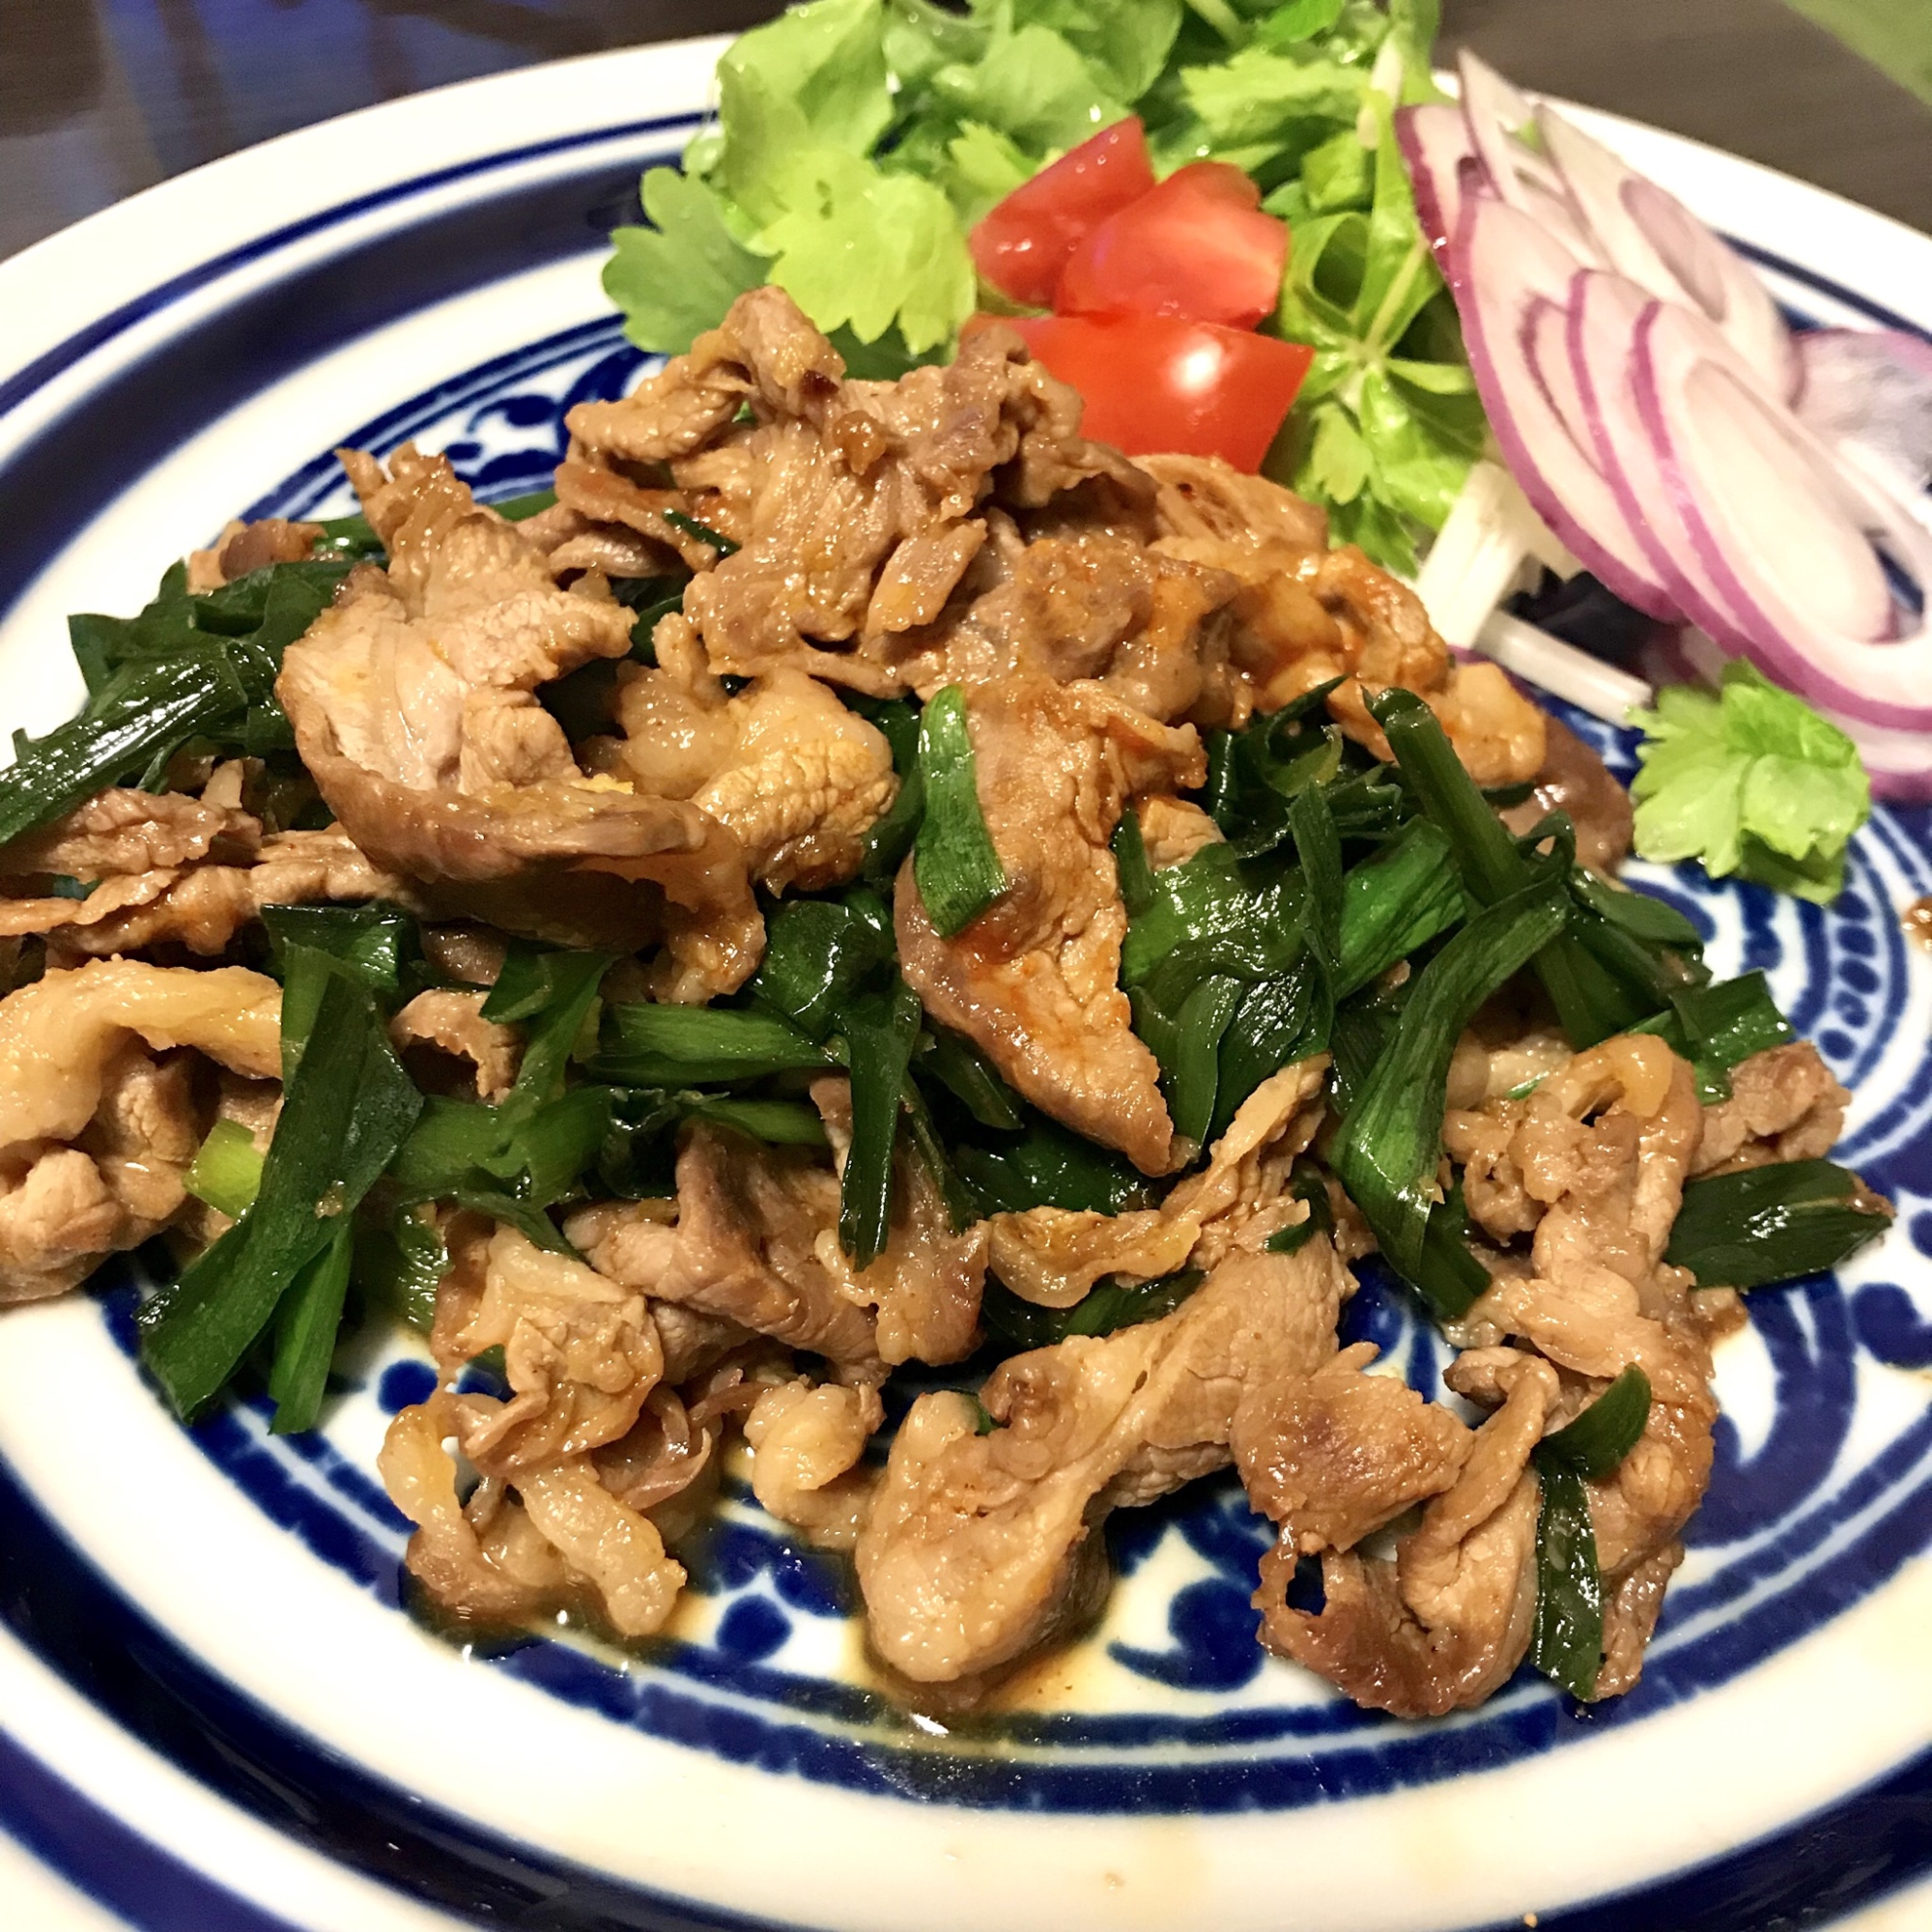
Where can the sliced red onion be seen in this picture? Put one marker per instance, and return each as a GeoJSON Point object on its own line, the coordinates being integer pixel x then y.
{"type": "Point", "coordinates": [1868, 392]}
{"type": "Point", "coordinates": [1785, 529]}
{"type": "Point", "coordinates": [1500, 266]}
{"type": "Point", "coordinates": [1651, 237]}
{"type": "Point", "coordinates": [1434, 142]}
{"type": "Point", "coordinates": [1494, 113]}
{"type": "Point", "coordinates": [1601, 326]}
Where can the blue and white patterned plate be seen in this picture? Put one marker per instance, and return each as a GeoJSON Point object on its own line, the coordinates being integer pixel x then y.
{"type": "Point", "coordinates": [215, 1712]}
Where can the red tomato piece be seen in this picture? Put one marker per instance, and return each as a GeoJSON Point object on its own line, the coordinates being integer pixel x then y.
{"type": "Point", "coordinates": [1023, 244]}
{"type": "Point", "coordinates": [1197, 245]}
{"type": "Point", "coordinates": [1155, 383]}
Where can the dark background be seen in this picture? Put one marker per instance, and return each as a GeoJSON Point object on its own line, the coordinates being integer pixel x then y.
{"type": "Point", "coordinates": [99, 97]}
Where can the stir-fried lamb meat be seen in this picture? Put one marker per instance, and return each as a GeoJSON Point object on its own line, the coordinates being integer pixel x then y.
{"type": "Point", "coordinates": [1034, 982]}
{"type": "Point", "coordinates": [971, 927]}
{"type": "Point", "coordinates": [99, 1113]}
{"type": "Point", "coordinates": [977, 1546]}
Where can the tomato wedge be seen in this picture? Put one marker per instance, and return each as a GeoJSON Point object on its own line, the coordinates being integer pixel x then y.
{"type": "Point", "coordinates": [1155, 383]}
{"type": "Point", "coordinates": [1197, 245]}
{"type": "Point", "coordinates": [1023, 244]}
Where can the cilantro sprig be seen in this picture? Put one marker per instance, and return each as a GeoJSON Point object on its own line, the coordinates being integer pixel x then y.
{"type": "Point", "coordinates": [1749, 781]}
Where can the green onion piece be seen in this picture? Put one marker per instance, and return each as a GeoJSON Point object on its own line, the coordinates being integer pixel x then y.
{"type": "Point", "coordinates": [971, 1078]}
{"type": "Point", "coordinates": [1567, 1642]}
{"type": "Point", "coordinates": [890, 838]}
{"type": "Point", "coordinates": [701, 533]}
{"type": "Point", "coordinates": [1394, 902]}
{"type": "Point", "coordinates": [1107, 1307]}
{"type": "Point", "coordinates": [515, 509]}
{"type": "Point", "coordinates": [526, 1217]}
{"type": "Point", "coordinates": [1604, 1432]}
{"type": "Point", "coordinates": [1386, 1150]}
{"type": "Point", "coordinates": [187, 667]}
{"type": "Point", "coordinates": [1774, 1223]}
{"type": "Point", "coordinates": [646, 1045]}
{"type": "Point", "coordinates": [878, 1030]}
{"type": "Point", "coordinates": [347, 1110]}
{"type": "Point", "coordinates": [305, 1326]}
{"type": "Point", "coordinates": [1319, 846]}
{"type": "Point", "coordinates": [552, 1144]}
{"type": "Point", "coordinates": [1589, 1001]}
{"type": "Point", "coordinates": [227, 1170]}
{"type": "Point", "coordinates": [571, 980]}
{"type": "Point", "coordinates": [1718, 1028]}
{"type": "Point", "coordinates": [962, 1209]}
{"type": "Point", "coordinates": [776, 1122]}
{"type": "Point", "coordinates": [350, 537]}
{"type": "Point", "coordinates": [401, 1264]}
{"type": "Point", "coordinates": [1281, 1020]}
{"type": "Point", "coordinates": [958, 871]}
{"type": "Point", "coordinates": [1194, 1066]}
{"type": "Point", "coordinates": [152, 713]}
{"type": "Point", "coordinates": [535, 978]}
{"type": "Point", "coordinates": [1449, 1278]}
{"type": "Point", "coordinates": [374, 941]}
{"type": "Point", "coordinates": [818, 953]}
{"type": "Point", "coordinates": [1132, 865]}
{"type": "Point", "coordinates": [1306, 1183]}
{"type": "Point", "coordinates": [1049, 1167]}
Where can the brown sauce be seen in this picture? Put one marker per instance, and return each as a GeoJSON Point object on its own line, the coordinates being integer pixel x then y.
{"type": "Point", "coordinates": [1917, 919]}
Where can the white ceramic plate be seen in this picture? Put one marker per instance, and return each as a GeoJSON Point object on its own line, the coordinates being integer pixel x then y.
{"type": "Point", "coordinates": [216, 1714]}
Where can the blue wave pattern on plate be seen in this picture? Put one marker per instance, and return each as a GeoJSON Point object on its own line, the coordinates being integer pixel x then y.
{"type": "Point", "coordinates": [1795, 1528]}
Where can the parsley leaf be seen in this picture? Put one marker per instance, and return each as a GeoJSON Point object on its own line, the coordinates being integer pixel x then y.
{"type": "Point", "coordinates": [1751, 780]}
{"type": "Point", "coordinates": [677, 278]}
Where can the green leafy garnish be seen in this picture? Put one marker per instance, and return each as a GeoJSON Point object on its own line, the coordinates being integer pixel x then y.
{"type": "Point", "coordinates": [1751, 780]}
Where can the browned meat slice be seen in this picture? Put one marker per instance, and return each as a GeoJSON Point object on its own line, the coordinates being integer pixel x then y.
{"type": "Point", "coordinates": [446, 1025]}
{"type": "Point", "coordinates": [580, 1352]}
{"type": "Point", "coordinates": [1445, 1623]}
{"type": "Point", "coordinates": [1034, 980]}
{"type": "Point", "coordinates": [1608, 1144]}
{"type": "Point", "coordinates": [243, 548]}
{"type": "Point", "coordinates": [1173, 830]}
{"type": "Point", "coordinates": [1305, 614]}
{"type": "Point", "coordinates": [852, 503]}
{"type": "Point", "coordinates": [202, 906]}
{"type": "Point", "coordinates": [1054, 1256]}
{"type": "Point", "coordinates": [541, 1530]}
{"type": "Point", "coordinates": [555, 1537]}
{"type": "Point", "coordinates": [1088, 606]}
{"type": "Point", "coordinates": [805, 1446]}
{"type": "Point", "coordinates": [746, 1245]}
{"type": "Point", "coordinates": [1335, 1455]}
{"type": "Point", "coordinates": [94, 1131]}
{"type": "Point", "coordinates": [795, 775]}
{"type": "Point", "coordinates": [414, 709]}
{"type": "Point", "coordinates": [1575, 780]}
{"type": "Point", "coordinates": [977, 1547]}
{"type": "Point", "coordinates": [1785, 1104]}
{"type": "Point", "coordinates": [121, 832]}
{"type": "Point", "coordinates": [927, 1284]}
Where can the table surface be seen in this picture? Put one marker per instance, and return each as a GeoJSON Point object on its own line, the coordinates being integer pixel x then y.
{"type": "Point", "coordinates": [99, 97]}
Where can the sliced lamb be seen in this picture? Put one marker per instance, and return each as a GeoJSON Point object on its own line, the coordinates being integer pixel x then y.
{"type": "Point", "coordinates": [1034, 980]}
